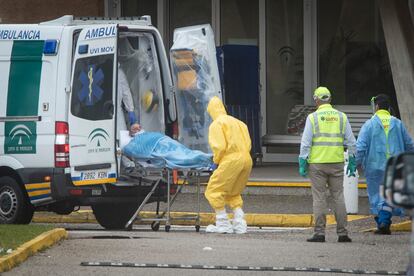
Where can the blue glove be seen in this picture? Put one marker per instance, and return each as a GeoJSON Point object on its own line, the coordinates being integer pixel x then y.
{"type": "Point", "coordinates": [303, 167]}
{"type": "Point", "coordinates": [351, 168]}
{"type": "Point", "coordinates": [131, 117]}
{"type": "Point", "coordinates": [213, 167]}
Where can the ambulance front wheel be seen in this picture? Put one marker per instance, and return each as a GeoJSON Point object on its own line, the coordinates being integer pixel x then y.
{"type": "Point", "coordinates": [15, 207]}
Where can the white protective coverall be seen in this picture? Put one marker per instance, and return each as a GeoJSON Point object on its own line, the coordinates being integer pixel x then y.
{"type": "Point", "coordinates": [125, 97]}
{"type": "Point", "coordinates": [230, 142]}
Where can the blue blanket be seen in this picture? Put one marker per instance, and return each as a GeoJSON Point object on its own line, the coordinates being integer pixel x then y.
{"type": "Point", "coordinates": [154, 145]}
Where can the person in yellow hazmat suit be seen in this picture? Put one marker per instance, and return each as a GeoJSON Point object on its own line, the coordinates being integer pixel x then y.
{"type": "Point", "coordinates": [230, 142]}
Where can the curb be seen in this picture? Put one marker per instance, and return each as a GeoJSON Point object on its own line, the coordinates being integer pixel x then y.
{"type": "Point", "coordinates": [283, 184]}
{"type": "Point", "coordinates": [404, 226]}
{"type": "Point", "coordinates": [279, 184]}
{"type": "Point", "coordinates": [260, 220]}
{"type": "Point", "coordinates": [29, 248]}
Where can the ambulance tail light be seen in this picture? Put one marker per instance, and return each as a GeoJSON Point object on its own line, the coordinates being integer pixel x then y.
{"type": "Point", "coordinates": [175, 130]}
{"type": "Point", "coordinates": [61, 145]}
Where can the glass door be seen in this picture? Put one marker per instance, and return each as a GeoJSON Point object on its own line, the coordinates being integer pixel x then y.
{"type": "Point", "coordinates": [284, 67]}
{"type": "Point", "coordinates": [352, 55]}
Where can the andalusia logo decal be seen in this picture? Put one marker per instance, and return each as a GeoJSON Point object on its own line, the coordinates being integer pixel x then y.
{"type": "Point", "coordinates": [20, 138]}
{"type": "Point", "coordinates": [20, 132]}
{"type": "Point", "coordinates": [98, 139]}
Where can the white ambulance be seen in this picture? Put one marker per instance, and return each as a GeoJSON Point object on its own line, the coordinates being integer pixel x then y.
{"type": "Point", "coordinates": [61, 108]}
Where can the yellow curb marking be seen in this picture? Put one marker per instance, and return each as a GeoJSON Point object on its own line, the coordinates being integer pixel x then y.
{"type": "Point", "coordinates": [276, 184]}
{"type": "Point", "coordinates": [330, 219]}
{"type": "Point", "coordinates": [271, 220]}
{"type": "Point", "coordinates": [404, 226]}
{"type": "Point", "coordinates": [290, 184]}
{"type": "Point", "coordinates": [31, 247]}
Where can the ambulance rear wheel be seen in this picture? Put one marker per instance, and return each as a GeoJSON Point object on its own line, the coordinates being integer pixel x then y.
{"type": "Point", "coordinates": [15, 207]}
{"type": "Point", "coordinates": [114, 216]}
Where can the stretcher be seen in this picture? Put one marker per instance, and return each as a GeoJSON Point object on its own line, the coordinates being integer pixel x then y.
{"type": "Point", "coordinates": [157, 171]}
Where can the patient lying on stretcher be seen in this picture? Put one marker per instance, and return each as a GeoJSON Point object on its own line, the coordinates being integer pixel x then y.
{"type": "Point", "coordinates": [163, 149]}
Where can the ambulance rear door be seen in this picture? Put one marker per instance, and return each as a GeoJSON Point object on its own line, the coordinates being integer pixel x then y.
{"type": "Point", "coordinates": [92, 106]}
{"type": "Point", "coordinates": [196, 80]}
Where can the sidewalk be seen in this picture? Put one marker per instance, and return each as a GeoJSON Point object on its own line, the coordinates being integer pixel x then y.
{"type": "Point", "coordinates": [273, 188]}
{"type": "Point", "coordinates": [276, 172]}
{"type": "Point", "coordinates": [283, 179]}
{"type": "Point", "coordinates": [274, 191]}
{"type": "Point", "coordinates": [282, 172]}
{"type": "Point", "coordinates": [257, 203]}
{"type": "Point", "coordinates": [261, 210]}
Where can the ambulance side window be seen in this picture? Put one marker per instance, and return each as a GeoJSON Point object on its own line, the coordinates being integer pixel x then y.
{"type": "Point", "coordinates": [76, 34]}
{"type": "Point", "coordinates": [92, 88]}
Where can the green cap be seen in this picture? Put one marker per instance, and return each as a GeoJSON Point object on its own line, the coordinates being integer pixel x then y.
{"type": "Point", "coordinates": [322, 93]}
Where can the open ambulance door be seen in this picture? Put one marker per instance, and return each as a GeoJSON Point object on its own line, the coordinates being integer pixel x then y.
{"type": "Point", "coordinates": [92, 107]}
{"type": "Point", "coordinates": [196, 80]}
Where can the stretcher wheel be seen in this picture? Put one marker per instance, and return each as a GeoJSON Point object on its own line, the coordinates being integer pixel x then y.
{"type": "Point", "coordinates": [197, 227]}
{"type": "Point", "coordinates": [167, 228]}
{"type": "Point", "coordinates": [155, 226]}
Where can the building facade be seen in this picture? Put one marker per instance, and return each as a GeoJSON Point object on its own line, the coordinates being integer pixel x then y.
{"type": "Point", "coordinates": [301, 44]}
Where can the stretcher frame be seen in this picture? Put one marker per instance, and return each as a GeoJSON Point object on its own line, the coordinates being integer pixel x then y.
{"type": "Point", "coordinates": [160, 173]}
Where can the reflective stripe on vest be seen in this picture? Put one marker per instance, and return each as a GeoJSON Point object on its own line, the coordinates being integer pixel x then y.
{"type": "Point", "coordinates": [328, 127]}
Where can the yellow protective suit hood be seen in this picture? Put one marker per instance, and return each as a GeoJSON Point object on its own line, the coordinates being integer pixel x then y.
{"type": "Point", "coordinates": [230, 143]}
{"type": "Point", "coordinates": [216, 108]}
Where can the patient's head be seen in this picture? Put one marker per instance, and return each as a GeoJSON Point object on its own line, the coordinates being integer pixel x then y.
{"type": "Point", "coordinates": [135, 128]}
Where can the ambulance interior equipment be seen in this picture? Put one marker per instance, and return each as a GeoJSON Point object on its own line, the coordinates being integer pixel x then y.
{"type": "Point", "coordinates": [137, 57]}
{"type": "Point", "coordinates": [196, 77]}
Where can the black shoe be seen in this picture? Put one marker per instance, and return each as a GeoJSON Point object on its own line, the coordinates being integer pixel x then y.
{"type": "Point", "coordinates": [344, 239]}
{"type": "Point", "coordinates": [383, 230]}
{"type": "Point", "coordinates": [316, 238]}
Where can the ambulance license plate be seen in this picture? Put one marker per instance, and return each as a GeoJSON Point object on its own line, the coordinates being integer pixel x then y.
{"type": "Point", "coordinates": [94, 175]}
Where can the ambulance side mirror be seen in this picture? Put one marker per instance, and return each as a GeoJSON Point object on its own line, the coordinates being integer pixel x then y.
{"type": "Point", "coordinates": [398, 188]}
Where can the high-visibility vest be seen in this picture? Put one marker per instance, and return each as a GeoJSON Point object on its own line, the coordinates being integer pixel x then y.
{"type": "Point", "coordinates": [385, 118]}
{"type": "Point", "coordinates": [328, 126]}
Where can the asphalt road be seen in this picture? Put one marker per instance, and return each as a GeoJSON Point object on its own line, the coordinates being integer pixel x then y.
{"type": "Point", "coordinates": [260, 247]}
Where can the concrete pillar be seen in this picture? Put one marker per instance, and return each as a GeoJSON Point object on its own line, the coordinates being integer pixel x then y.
{"type": "Point", "coordinates": [399, 38]}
